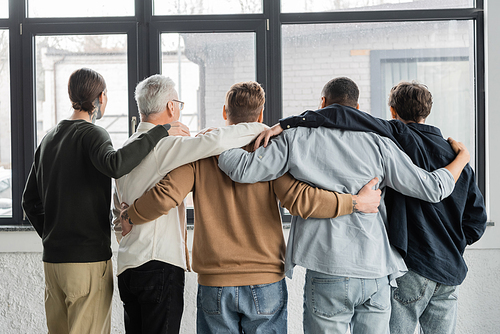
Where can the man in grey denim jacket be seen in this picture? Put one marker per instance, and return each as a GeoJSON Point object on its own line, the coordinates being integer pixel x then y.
{"type": "Point", "coordinates": [349, 259]}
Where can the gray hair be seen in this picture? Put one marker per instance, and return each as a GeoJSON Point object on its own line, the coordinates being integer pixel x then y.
{"type": "Point", "coordinates": [153, 93]}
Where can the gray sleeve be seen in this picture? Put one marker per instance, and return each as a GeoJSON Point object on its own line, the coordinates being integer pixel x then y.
{"type": "Point", "coordinates": [410, 180]}
{"type": "Point", "coordinates": [265, 164]}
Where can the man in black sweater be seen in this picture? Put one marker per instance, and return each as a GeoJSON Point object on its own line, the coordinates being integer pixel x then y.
{"type": "Point", "coordinates": [67, 199]}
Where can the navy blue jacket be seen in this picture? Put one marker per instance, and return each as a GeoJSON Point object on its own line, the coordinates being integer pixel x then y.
{"type": "Point", "coordinates": [430, 237]}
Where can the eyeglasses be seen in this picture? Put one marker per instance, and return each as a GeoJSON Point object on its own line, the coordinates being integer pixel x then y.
{"type": "Point", "coordinates": [181, 104]}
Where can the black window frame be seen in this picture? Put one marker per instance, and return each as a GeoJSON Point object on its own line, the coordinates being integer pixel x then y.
{"type": "Point", "coordinates": [143, 53]}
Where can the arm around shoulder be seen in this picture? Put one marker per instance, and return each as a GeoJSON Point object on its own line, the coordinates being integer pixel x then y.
{"type": "Point", "coordinates": [264, 164]}
{"type": "Point", "coordinates": [117, 163]}
{"type": "Point", "coordinates": [461, 160]}
{"type": "Point", "coordinates": [164, 196]}
{"type": "Point", "coordinates": [402, 175]}
{"type": "Point", "coordinates": [340, 117]}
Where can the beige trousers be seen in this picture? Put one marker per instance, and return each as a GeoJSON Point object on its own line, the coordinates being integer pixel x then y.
{"type": "Point", "coordinates": [78, 297]}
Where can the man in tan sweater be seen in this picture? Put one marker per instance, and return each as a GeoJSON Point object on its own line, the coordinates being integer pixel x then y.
{"type": "Point", "coordinates": [238, 246]}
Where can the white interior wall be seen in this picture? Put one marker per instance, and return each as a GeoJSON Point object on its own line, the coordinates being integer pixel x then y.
{"type": "Point", "coordinates": [22, 286]}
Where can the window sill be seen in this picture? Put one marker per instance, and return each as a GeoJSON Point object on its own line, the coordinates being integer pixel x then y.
{"type": "Point", "coordinates": [11, 228]}
{"type": "Point", "coordinates": [19, 239]}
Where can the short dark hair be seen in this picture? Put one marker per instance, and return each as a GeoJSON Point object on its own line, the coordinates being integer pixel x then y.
{"type": "Point", "coordinates": [412, 101]}
{"type": "Point", "coordinates": [84, 87]}
{"type": "Point", "coordinates": [342, 91]}
{"type": "Point", "coordinates": [244, 101]}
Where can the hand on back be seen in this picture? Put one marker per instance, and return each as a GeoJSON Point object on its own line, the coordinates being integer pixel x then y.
{"type": "Point", "coordinates": [266, 135]}
{"type": "Point", "coordinates": [367, 200]}
{"type": "Point", "coordinates": [178, 129]}
{"type": "Point", "coordinates": [125, 220]}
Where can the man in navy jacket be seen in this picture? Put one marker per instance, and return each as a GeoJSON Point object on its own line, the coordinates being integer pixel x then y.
{"type": "Point", "coordinates": [431, 237]}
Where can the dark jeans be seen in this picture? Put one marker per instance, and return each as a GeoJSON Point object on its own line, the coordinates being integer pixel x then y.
{"type": "Point", "coordinates": [153, 298]}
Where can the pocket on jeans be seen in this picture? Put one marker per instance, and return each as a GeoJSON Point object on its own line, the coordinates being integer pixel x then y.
{"type": "Point", "coordinates": [269, 298]}
{"type": "Point", "coordinates": [381, 299]}
{"type": "Point", "coordinates": [209, 299]}
{"type": "Point", "coordinates": [329, 295]}
{"type": "Point", "coordinates": [147, 286]}
{"type": "Point", "coordinates": [411, 288]}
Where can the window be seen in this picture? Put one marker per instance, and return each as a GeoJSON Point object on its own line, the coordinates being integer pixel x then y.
{"type": "Point", "coordinates": [191, 7]}
{"type": "Point", "coordinates": [447, 72]}
{"type": "Point", "coordinates": [88, 8]}
{"type": "Point", "coordinates": [340, 5]}
{"type": "Point", "coordinates": [377, 56]}
{"type": "Point", "coordinates": [4, 9]}
{"type": "Point", "coordinates": [58, 56]}
{"type": "Point", "coordinates": [196, 61]}
{"type": "Point", "coordinates": [5, 129]}
{"type": "Point", "coordinates": [291, 47]}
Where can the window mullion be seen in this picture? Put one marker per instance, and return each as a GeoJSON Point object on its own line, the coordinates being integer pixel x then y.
{"type": "Point", "coordinates": [274, 91]}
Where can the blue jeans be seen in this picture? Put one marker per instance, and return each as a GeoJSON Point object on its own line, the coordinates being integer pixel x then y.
{"type": "Point", "coordinates": [332, 303]}
{"type": "Point", "coordinates": [242, 309]}
{"type": "Point", "coordinates": [418, 299]}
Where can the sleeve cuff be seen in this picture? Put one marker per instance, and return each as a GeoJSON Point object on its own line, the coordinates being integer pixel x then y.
{"type": "Point", "coordinates": [345, 206]}
{"type": "Point", "coordinates": [294, 121]}
{"type": "Point", "coordinates": [287, 123]}
{"type": "Point", "coordinates": [167, 127]}
{"type": "Point", "coordinates": [134, 216]}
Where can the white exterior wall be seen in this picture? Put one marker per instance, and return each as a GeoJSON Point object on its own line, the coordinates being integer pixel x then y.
{"type": "Point", "coordinates": [21, 273]}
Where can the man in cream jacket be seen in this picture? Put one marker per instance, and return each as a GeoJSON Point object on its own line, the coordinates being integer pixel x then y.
{"type": "Point", "coordinates": [153, 257]}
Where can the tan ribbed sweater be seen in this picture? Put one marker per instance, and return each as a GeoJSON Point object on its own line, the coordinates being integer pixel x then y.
{"type": "Point", "coordinates": [238, 236]}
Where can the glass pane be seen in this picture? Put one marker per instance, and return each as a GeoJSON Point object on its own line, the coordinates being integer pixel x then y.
{"type": "Point", "coordinates": [204, 67]}
{"type": "Point", "coordinates": [304, 6]}
{"type": "Point", "coordinates": [379, 55]}
{"type": "Point", "coordinates": [58, 56]}
{"type": "Point", "coordinates": [4, 9]}
{"type": "Point", "coordinates": [5, 130]}
{"type": "Point", "coordinates": [87, 8]}
{"type": "Point", "coordinates": [193, 7]}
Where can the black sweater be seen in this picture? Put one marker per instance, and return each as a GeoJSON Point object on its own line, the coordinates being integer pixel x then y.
{"type": "Point", "coordinates": [67, 196]}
